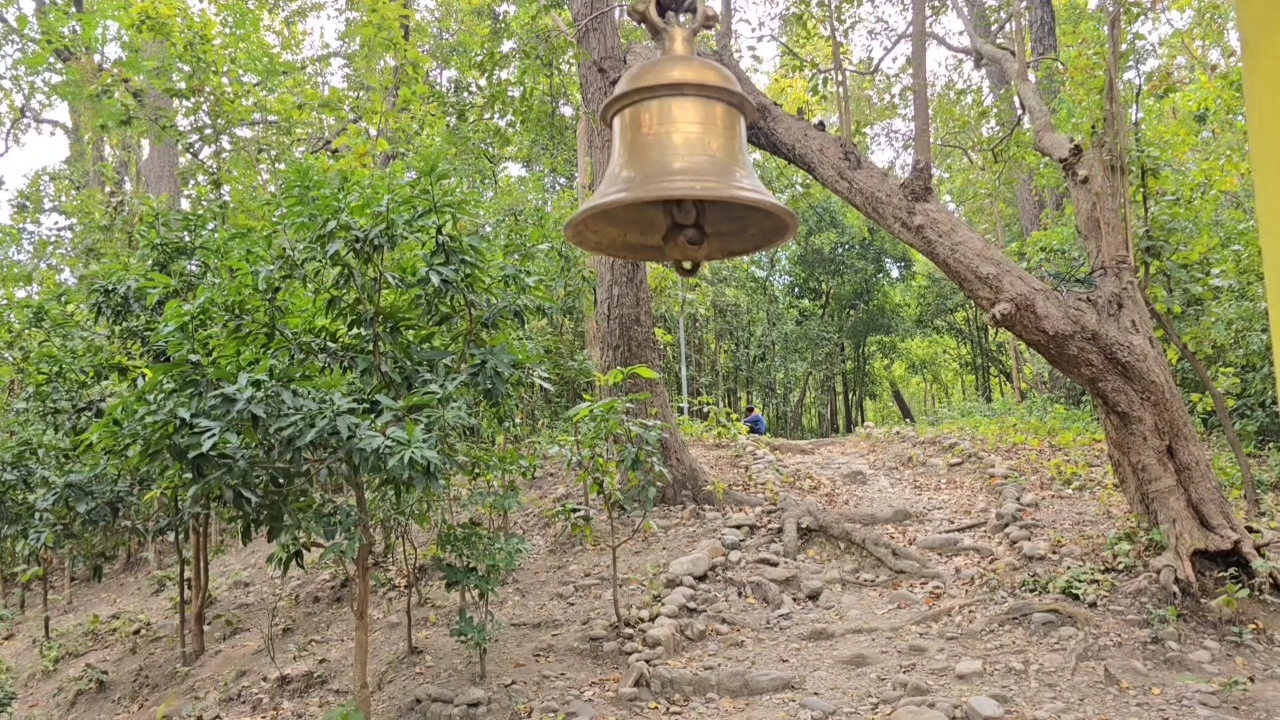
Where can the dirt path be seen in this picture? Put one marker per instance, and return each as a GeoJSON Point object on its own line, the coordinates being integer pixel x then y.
{"type": "Point", "coordinates": [722, 622]}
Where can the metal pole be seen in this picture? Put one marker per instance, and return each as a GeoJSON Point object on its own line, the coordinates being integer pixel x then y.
{"type": "Point", "coordinates": [684, 366]}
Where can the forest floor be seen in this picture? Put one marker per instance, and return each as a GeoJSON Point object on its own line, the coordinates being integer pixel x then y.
{"type": "Point", "coordinates": [1028, 601]}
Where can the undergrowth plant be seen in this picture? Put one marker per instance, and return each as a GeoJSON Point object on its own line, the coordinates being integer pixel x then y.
{"type": "Point", "coordinates": [616, 454]}
{"type": "Point", "coordinates": [8, 694]}
{"type": "Point", "coordinates": [474, 559]}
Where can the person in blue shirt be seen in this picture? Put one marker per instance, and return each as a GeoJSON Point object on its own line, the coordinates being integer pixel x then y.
{"type": "Point", "coordinates": [754, 421]}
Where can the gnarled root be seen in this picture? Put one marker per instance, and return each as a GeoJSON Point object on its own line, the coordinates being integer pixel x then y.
{"type": "Point", "coordinates": [1175, 567]}
{"type": "Point", "coordinates": [845, 527]}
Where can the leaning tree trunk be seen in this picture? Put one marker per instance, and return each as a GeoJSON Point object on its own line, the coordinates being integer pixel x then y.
{"type": "Point", "coordinates": [624, 308]}
{"type": "Point", "coordinates": [1103, 340]}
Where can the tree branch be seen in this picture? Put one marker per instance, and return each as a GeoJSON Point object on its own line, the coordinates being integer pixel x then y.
{"type": "Point", "coordinates": [1047, 140]}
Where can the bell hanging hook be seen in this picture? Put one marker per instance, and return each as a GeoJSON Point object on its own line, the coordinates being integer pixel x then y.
{"type": "Point", "coordinates": [659, 16]}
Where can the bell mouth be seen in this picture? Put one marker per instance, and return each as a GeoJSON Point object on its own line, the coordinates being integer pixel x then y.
{"type": "Point", "coordinates": [631, 228]}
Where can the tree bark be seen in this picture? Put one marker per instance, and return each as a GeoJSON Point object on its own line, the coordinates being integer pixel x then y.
{"type": "Point", "coordinates": [159, 169]}
{"type": "Point", "coordinates": [364, 591]}
{"type": "Point", "coordinates": [182, 586]}
{"type": "Point", "coordinates": [1015, 366]}
{"type": "Point", "coordinates": [1219, 408]}
{"type": "Point", "coordinates": [1102, 340]}
{"type": "Point", "coordinates": [901, 401]}
{"type": "Point", "coordinates": [919, 182]}
{"type": "Point", "coordinates": [624, 306]}
{"type": "Point", "coordinates": [199, 526]}
{"type": "Point", "coordinates": [66, 581]}
{"type": "Point", "coordinates": [44, 592]}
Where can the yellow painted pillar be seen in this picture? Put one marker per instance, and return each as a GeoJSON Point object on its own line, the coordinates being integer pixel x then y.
{"type": "Point", "coordinates": [1259, 25]}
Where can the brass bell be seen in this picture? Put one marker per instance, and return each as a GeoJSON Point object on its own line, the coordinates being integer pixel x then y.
{"type": "Point", "coordinates": [679, 187]}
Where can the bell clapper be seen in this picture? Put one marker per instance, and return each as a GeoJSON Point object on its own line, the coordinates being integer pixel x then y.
{"type": "Point", "coordinates": [686, 268]}
{"type": "Point", "coordinates": [685, 230]}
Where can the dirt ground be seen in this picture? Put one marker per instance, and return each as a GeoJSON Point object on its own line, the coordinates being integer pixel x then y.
{"type": "Point", "coordinates": [1014, 603]}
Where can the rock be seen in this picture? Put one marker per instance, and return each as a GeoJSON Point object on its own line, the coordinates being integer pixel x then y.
{"type": "Point", "coordinates": [1000, 472]}
{"type": "Point", "coordinates": [902, 597]}
{"type": "Point", "coordinates": [1044, 618]}
{"type": "Point", "coordinates": [1208, 701]}
{"type": "Point", "coordinates": [858, 659]}
{"type": "Point", "coordinates": [612, 647]}
{"type": "Point", "coordinates": [890, 697]}
{"type": "Point", "coordinates": [1052, 711]}
{"type": "Point", "coordinates": [636, 675]}
{"type": "Point", "coordinates": [916, 713]}
{"type": "Point", "coordinates": [740, 520]}
{"type": "Point", "coordinates": [696, 565]}
{"type": "Point", "coordinates": [917, 688]}
{"type": "Point", "coordinates": [566, 592]}
{"type": "Point", "coordinates": [780, 575]}
{"type": "Point", "coordinates": [546, 708]}
{"type": "Point", "coordinates": [1211, 645]}
{"type": "Point", "coordinates": [712, 549]}
{"type": "Point", "coordinates": [472, 696]}
{"type": "Point", "coordinates": [1029, 500]}
{"type": "Point", "coordinates": [919, 647]}
{"type": "Point", "coordinates": [938, 542]}
{"type": "Point", "coordinates": [812, 588]}
{"type": "Point", "coordinates": [1018, 535]}
{"type": "Point", "coordinates": [855, 474]}
{"type": "Point", "coordinates": [1035, 550]}
{"type": "Point", "coordinates": [1052, 660]}
{"type": "Point", "coordinates": [664, 636]}
{"type": "Point", "coordinates": [818, 705]}
{"type": "Point", "coordinates": [579, 710]}
{"type": "Point", "coordinates": [769, 681]}
{"type": "Point", "coordinates": [679, 597]}
{"type": "Point", "coordinates": [983, 708]}
{"type": "Point", "coordinates": [435, 694]}
{"type": "Point", "coordinates": [1066, 633]}
{"type": "Point", "coordinates": [629, 694]}
{"type": "Point", "coordinates": [969, 669]}
{"type": "Point", "coordinates": [1009, 513]}
{"type": "Point", "coordinates": [1200, 656]}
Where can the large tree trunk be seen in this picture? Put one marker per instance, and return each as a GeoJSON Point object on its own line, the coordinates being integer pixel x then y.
{"type": "Point", "coordinates": [1102, 340]}
{"type": "Point", "coordinates": [624, 308]}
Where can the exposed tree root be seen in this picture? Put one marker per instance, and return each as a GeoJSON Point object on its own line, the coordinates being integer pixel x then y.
{"type": "Point", "coordinates": [1022, 609]}
{"type": "Point", "coordinates": [965, 526]}
{"type": "Point", "coordinates": [845, 527]}
{"type": "Point", "coordinates": [830, 632]}
{"type": "Point", "coordinates": [731, 497]}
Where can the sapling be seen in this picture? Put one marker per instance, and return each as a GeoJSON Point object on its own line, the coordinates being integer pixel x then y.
{"type": "Point", "coordinates": [616, 452]}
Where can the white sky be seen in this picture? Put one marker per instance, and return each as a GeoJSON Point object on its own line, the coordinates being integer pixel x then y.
{"type": "Point", "coordinates": [44, 147]}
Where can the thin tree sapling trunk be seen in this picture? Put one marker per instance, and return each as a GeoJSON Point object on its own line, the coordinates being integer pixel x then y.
{"type": "Point", "coordinates": [364, 592]}
{"type": "Point", "coordinates": [66, 581]}
{"type": "Point", "coordinates": [182, 584]}
{"type": "Point", "coordinates": [1219, 408]}
{"type": "Point", "coordinates": [44, 591]}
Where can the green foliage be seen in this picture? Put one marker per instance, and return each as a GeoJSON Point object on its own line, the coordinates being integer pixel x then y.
{"type": "Point", "coordinates": [473, 560]}
{"type": "Point", "coordinates": [346, 711]}
{"type": "Point", "coordinates": [1033, 423]}
{"type": "Point", "coordinates": [707, 421]}
{"type": "Point", "coordinates": [91, 678]}
{"type": "Point", "coordinates": [50, 652]}
{"type": "Point", "coordinates": [615, 453]}
{"type": "Point", "coordinates": [1134, 546]}
{"type": "Point", "coordinates": [8, 693]}
{"type": "Point", "coordinates": [1085, 583]}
